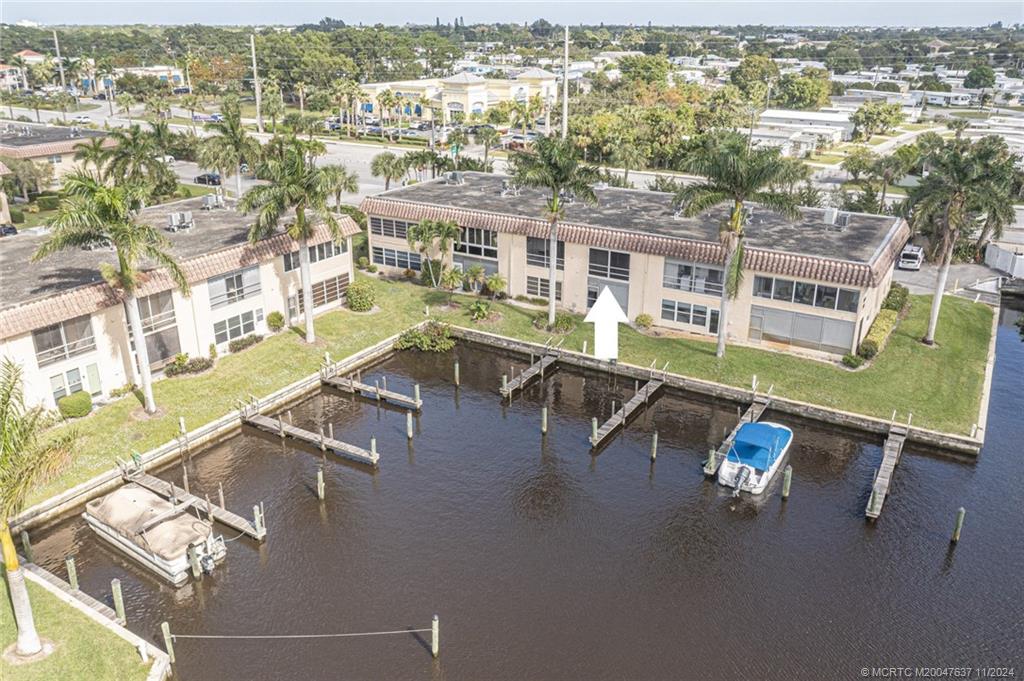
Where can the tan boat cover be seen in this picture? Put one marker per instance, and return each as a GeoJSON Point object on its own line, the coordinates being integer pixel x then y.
{"type": "Point", "coordinates": [128, 509]}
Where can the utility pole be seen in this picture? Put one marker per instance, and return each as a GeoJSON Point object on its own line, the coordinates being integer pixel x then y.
{"type": "Point", "coordinates": [188, 77]}
{"type": "Point", "coordinates": [565, 87]}
{"type": "Point", "coordinates": [60, 62]}
{"type": "Point", "coordinates": [256, 83]}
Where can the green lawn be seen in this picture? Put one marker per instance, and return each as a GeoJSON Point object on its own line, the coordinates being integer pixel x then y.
{"type": "Point", "coordinates": [85, 651]}
{"type": "Point", "coordinates": [878, 140]}
{"type": "Point", "coordinates": [970, 114]}
{"type": "Point", "coordinates": [893, 190]}
{"type": "Point", "coordinates": [914, 127]}
{"type": "Point", "coordinates": [828, 159]}
{"type": "Point", "coordinates": [35, 219]}
{"type": "Point", "coordinates": [940, 385]}
{"type": "Point", "coordinates": [195, 189]}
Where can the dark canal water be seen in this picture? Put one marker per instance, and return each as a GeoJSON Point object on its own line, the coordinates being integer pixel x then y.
{"type": "Point", "coordinates": [545, 562]}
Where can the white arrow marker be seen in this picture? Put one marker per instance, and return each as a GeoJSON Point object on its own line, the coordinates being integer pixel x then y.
{"type": "Point", "coordinates": [606, 315]}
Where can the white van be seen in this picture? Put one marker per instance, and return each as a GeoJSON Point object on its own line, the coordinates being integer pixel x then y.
{"type": "Point", "coordinates": [911, 258]}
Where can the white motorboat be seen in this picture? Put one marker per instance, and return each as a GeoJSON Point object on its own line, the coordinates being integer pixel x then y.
{"type": "Point", "coordinates": [155, 532]}
{"type": "Point", "coordinates": [755, 456]}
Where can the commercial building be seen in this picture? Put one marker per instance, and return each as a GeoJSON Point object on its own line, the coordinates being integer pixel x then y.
{"type": "Point", "coordinates": [68, 328]}
{"type": "Point", "coordinates": [812, 285]}
{"type": "Point", "coordinates": [53, 144]}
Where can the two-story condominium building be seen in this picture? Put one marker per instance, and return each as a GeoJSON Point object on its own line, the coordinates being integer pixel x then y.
{"type": "Point", "coordinates": [813, 285]}
{"type": "Point", "coordinates": [68, 329]}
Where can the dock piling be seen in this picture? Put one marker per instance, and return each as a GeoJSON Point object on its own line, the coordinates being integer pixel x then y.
{"type": "Point", "coordinates": [456, 373]}
{"type": "Point", "coordinates": [654, 446]}
{"type": "Point", "coordinates": [184, 479]}
{"type": "Point", "coordinates": [961, 512]}
{"type": "Point", "coordinates": [543, 420]}
{"type": "Point", "coordinates": [435, 641]}
{"type": "Point", "coordinates": [376, 386]}
{"type": "Point", "coordinates": [504, 383]}
{"type": "Point", "coordinates": [257, 520]}
{"type": "Point", "coordinates": [168, 640]}
{"type": "Point", "coordinates": [416, 393]}
{"type": "Point", "coordinates": [330, 430]}
{"type": "Point", "coordinates": [193, 561]}
{"type": "Point", "coordinates": [72, 572]}
{"type": "Point", "coordinates": [220, 493]}
{"type": "Point", "coordinates": [593, 430]}
{"type": "Point", "coordinates": [373, 447]}
{"type": "Point", "coordinates": [280, 427]}
{"type": "Point", "coordinates": [323, 444]}
{"type": "Point", "coordinates": [320, 489]}
{"type": "Point", "coordinates": [584, 347]}
{"type": "Point", "coordinates": [787, 481]}
{"type": "Point", "coordinates": [408, 425]}
{"type": "Point", "coordinates": [115, 588]}
{"type": "Point", "coordinates": [384, 383]}
{"type": "Point", "coordinates": [26, 546]}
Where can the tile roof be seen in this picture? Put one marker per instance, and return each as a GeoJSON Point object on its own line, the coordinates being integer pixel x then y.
{"type": "Point", "coordinates": [697, 242]}
{"type": "Point", "coordinates": [91, 296]}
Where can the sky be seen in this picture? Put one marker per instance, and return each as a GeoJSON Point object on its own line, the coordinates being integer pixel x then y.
{"type": "Point", "coordinates": [909, 13]}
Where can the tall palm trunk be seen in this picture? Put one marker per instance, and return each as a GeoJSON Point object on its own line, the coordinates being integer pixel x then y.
{"type": "Point", "coordinates": [723, 313]}
{"type": "Point", "coordinates": [238, 181]}
{"type": "Point", "coordinates": [307, 289]}
{"type": "Point", "coordinates": [131, 303]}
{"type": "Point", "coordinates": [940, 289]}
{"type": "Point", "coordinates": [28, 639]}
{"type": "Point", "coordinates": [552, 267]}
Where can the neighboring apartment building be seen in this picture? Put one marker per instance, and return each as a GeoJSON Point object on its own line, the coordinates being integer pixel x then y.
{"type": "Point", "coordinates": [68, 329]}
{"type": "Point", "coordinates": [10, 78]}
{"type": "Point", "coordinates": [815, 284]}
{"type": "Point", "coordinates": [53, 144]}
{"type": "Point", "coordinates": [786, 118]}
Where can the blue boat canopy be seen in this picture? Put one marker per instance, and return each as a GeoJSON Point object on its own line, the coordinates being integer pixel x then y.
{"type": "Point", "coordinates": [758, 445]}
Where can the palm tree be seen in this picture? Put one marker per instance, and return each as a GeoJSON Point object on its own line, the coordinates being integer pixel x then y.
{"type": "Point", "coordinates": [487, 137]}
{"type": "Point", "coordinates": [957, 125]}
{"type": "Point", "coordinates": [105, 72]}
{"type": "Point", "coordinates": [163, 137]}
{"type": "Point", "coordinates": [231, 143]}
{"type": "Point", "coordinates": [451, 279]}
{"type": "Point", "coordinates": [389, 166]}
{"type": "Point", "coordinates": [35, 102]}
{"type": "Point", "coordinates": [386, 101]}
{"type": "Point", "coordinates": [554, 165]}
{"type": "Point", "coordinates": [156, 106]}
{"type": "Point", "coordinates": [95, 213]}
{"type": "Point", "coordinates": [125, 102]}
{"type": "Point", "coordinates": [341, 181]}
{"type": "Point", "coordinates": [457, 141]}
{"type": "Point", "coordinates": [301, 88]}
{"type": "Point", "coordinates": [735, 174]}
{"type": "Point", "coordinates": [26, 459]}
{"type": "Point", "coordinates": [429, 235]}
{"type": "Point", "coordinates": [475, 277]}
{"type": "Point", "coordinates": [192, 103]}
{"type": "Point", "coordinates": [273, 102]}
{"type": "Point", "coordinates": [628, 155]}
{"type": "Point", "coordinates": [888, 170]}
{"type": "Point", "coordinates": [134, 158]}
{"type": "Point", "coordinates": [967, 183]}
{"type": "Point", "coordinates": [92, 151]}
{"type": "Point", "coordinates": [294, 185]}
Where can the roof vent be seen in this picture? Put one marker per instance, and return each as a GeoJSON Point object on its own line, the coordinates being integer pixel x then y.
{"type": "Point", "coordinates": [566, 197]}
{"type": "Point", "coordinates": [509, 188]}
{"type": "Point", "coordinates": [454, 178]}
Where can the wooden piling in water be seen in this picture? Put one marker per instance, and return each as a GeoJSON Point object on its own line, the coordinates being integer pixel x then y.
{"type": "Point", "coordinates": [330, 430]}
{"type": "Point", "coordinates": [544, 420]}
{"type": "Point", "coordinates": [457, 378]}
{"type": "Point", "coordinates": [961, 512]}
{"type": "Point", "coordinates": [654, 446]}
{"type": "Point", "coordinates": [435, 637]}
{"type": "Point", "coordinates": [787, 481]}
{"type": "Point", "coordinates": [257, 519]}
{"type": "Point", "coordinates": [220, 493]}
{"type": "Point", "coordinates": [504, 383]}
{"type": "Point", "coordinates": [26, 546]}
{"type": "Point", "coordinates": [384, 383]}
{"type": "Point", "coordinates": [408, 425]}
{"type": "Point", "coordinates": [168, 641]}
{"type": "Point", "coordinates": [115, 588]}
{"type": "Point", "coordinates": [323, 444]}
{"type": "Point", "coordinates": [320, 489]}
{"type": "Point", "coordinates": [193, 561]}
{"type": "Point", "coordinates": [373, 447]}
{"type": "Point", "coordinates": [593, 429]}
{"type": "Point", "coordinates": [416, 393]}
{"type": "Point", "coordinates": [72, 572]}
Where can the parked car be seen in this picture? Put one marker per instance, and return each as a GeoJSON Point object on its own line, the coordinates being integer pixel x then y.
{"type": "Point", "coordinates": [81, 119]}
{"type": "Point", "coordinates": [911, 258]}
{"type": "Point", "coordinates": [102, 96]}
{"type": "Point", "coordinates": [212, 179]}
{"type": "Point", "coordinates": [8, 230]}
{"type": "Point", "coordinates": [167, 158]}
{"type": "Point", "coordinates": [179, 91]}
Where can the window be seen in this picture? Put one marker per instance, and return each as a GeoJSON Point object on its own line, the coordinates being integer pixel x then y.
{"type": "Point", "coordinates": [783, 290]}
{"type": "Point", "coordinates": [233, 287]}
{"type": "Point", "coordinates": [537, 253]}
{"type": "Point", "coordinates": [54, 159]}
{"type": "Point", "coordinates": [159, 327]}
{"type": "Point", "coordinates": [763, 287]}
{"type": "Point", "coordinates": [328, 249]}
{"type": "Point", "coordinates": [684, 276]}
{"type": "Point", "coordinates": [394, 258]}
{"type": "Point", "coordinates": [388, 227]}
{"type": "Point", "coordinates": [818, 295]}
{"type": "Point", "coordinates": [536, 286]}
{"type": "Point", "coordinates": [609, 264]}
{"type": "Point", "coordinates": [157, 311]}
{"type": "Point", "coordinates": [685, 313]}
{"type": "Point", "coordinates": [64, 340]}
{"type": "Point", "coordinates": [71, 381]}
{"type": "Point", "coordinates": [803, 293]}
{"type": "Point", "coordinates": [324, 292]}
{"type": "Point", "coordinates": [476, 241]}
{"type": "Point", "coordinates": [237, 326]}
{"type": "Point", "coordinates": [848, 300]}
{"type": "Point", "coordinates": [802, 330]}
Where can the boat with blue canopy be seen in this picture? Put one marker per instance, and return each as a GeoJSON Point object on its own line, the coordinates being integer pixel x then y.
{"type": "Point", "coordinates": [755, 456]}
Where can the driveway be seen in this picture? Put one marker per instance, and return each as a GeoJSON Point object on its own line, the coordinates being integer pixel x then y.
{"type": "Point", "coordinates": [960, 276]}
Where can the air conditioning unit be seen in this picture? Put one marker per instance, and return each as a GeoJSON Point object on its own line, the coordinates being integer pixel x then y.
{"type": "Point", "coordinates": [830, 216]}
{"type": "Point", "coordinates": [454, 177]}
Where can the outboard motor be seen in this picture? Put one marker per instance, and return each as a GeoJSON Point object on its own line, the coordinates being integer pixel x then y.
{"type": "Point", "coordinates": [206, 563]}
{"type": "Point", "coordinates": [741, 477]}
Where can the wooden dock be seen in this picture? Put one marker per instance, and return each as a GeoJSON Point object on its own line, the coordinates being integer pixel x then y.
{"type": "Point", "coordinates": [891, 453]}
{"type": "Point", "coordinates": [536, 370]}
{"type": "Point", "coordinates": [81, 596]}
{"type": "Point", "coordinates": [751, 415]}
{"type": "Point", "coordinates": [277, 426]}
{"type": "Point", "coordinates": [373, 392]}
{"type": "Point", "coordinates": [619, 418]}
{"type": "Point", "coordinates": [223, 516]}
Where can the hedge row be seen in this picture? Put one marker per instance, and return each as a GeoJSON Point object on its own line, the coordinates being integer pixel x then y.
{"type": "Point", "coordinates": [244, 342]}
{"type": "Point", "coordinates": [897, 298]}
{"type": "Point", "coordinates": [883, 325]}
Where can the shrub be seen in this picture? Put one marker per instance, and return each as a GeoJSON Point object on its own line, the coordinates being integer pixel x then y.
{"type": "Point", "coordinates": [479, 310]}
{"type": "Point", "coordinates": [409, 274]}
{"type": "Point", "coordinates": [75, 405]}
{"type": "Point", "coordinates": [496, 285]}
{"type": "Point", "coordinates": [883, 325]}
{"type": "Point", "coordinates": [371, 268]}
{"type": "Point", "coordinates": [362, 262]}
{"type": "Point", "coordinates": [644, 321]}
{"type": "Point", "coordinates": [275, 321]}
{"type": "Point", "coordinates": [123, 390]}
{"type": "Point", "coordinates": [564, 322]}
{"type": "Point", "coordinates": [361, 296]}
{"type": "Point", "coordinates": [244, 342]}
{"type": "Point", "coordinates": [48, 202]}
{"type": "Point", "coordinates": [433, 337]}
{"type": "Point", "coordinates": [897, 298]}
{"type": "Point", "coordinates": [853, 361]}
{"type": "Point", "coordinates": [183, 365]}
{"type": "Point", "coordinates": [425, 269]}
{"type": "Point", "coordinates": [17, 215]}
{"type": "Point", "coordinates": [213, 351]}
